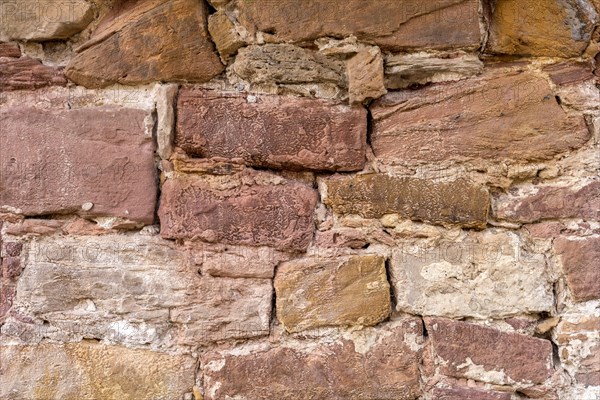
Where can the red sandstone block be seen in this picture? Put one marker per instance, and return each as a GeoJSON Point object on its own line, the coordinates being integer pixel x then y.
{"type": "Point", "coordinates": [28, 74]}
{"type": "Point", "coordinates": [382, 364]}
{"type": "Point", "coordinates": [259, 214]}
{"type": "Point", "coordinates": [272, 131]}
{"type": "Point", "coordinates": [497, 116]}
{"type": "Point", "coordinates": [476, 352]}
{"type": "Point", "coordinates": [11, 50]}
{"type": "Point", "coordinates": [92, 161]}
{"type": "Point", "coordinates": [467, 393]}
{"type": "Point", "coordinates": [550, 202]}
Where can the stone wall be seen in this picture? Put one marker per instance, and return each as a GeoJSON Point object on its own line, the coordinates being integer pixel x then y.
{"type": "Point", "coordinates": [284, 199]}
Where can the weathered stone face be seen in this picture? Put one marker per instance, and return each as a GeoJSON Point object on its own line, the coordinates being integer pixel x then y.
{"type": "Point", "coordinates": [272, 131]}
{"type": "Point", "coordinates": [390, 24]}
{"type": "Point", "coordinates": [92, 371]}
{"type": "Point", "coordinates": [483, 275]}
{"type": "Point", "coordinates": [475, 352]}
{"type": "Point", "coordinates": [238, 261]}
{"type": "Point", "coordinates": [374, 195]}
{"type": "Point", "coordinates": [467, 393]}
{"type": "Point", "coordinates": [100, 156]}
{"type": "Point", "coordinates": [365, 75]}
{"type": "Point", "coordinates": [170, 37]}
{"type": "Point", "coordinates": [580, 259]}
{"type": "Point", "coordinates": [549, 202]}
{"type": "Point", "coordinates": [552, 28]}
{"type": "Point", "coordinates": [10, 50]}
{"type": "Point", "coordinates": [379, 363]}
{"type": "Point", "coordinates": [278, 214]}
{"type": "Point", "coordinates": [512, 116]}
{"type": "Point", "coordinates": [223, 33]}
{"type": "Point", "coordinates": [287, 64]}
{"type": "Point", "coordinates": [27, 73]}
{"type": "Point", "coordinates": [578, 346]}
{"type": "Point", "coordinates": [43, 20]}
{"type": "Point", "coordinates": [404, 70]}
{"type": "Point", "coordinates": [343, 291]}
{"type": "Point", "coordinates": [136, 289]}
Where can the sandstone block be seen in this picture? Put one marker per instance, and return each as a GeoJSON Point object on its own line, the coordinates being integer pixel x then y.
{"type": "Point", "coordinates": [551, 28]}
{"type": "Point", "coordinates": [256, 214]}
{"type": "Point", "coordinates": [549, 202]}
{"type": "Point", "coordinates": [146, 41]}
{"type": "Point", "coordinates": [579, 345]}
{"type": "Point", "coordinates": [28, 74]}
{"type": "Point", "coordinates": [238, 261]}
{"type": "Point", "coordinates": [379, 363]}
{"type": "Point", "coordinates": [272, 131]}
{"type": "Point", "coordinates": [343, 291]}
{"type": "Point", "coordinates": [495, 116]}
{"type": "Point", "coordinates": [365, 75]}
{"type": "Point", "coordinates": [92, 371]}
{"type": "Point", "coordinates": [457, 392]}
{"type": "Point", "coordinates": [271, 64]}
{"type": "Point", "coordinates": [35, 20]}
{"type": "Point", "coordinates": [10, 50]}
{"type": "Point", "coordinates": [485, 274]}
{"type": "Point", "coordinates": [136, 290]}
{"type": "Point", "coordinates": [580, 259]}
{"type": "Point", "coordinates": [222, 31]}
{"type": "Point", "coordinates": [53, 162]}
{"type": "Point", "coordinates": [485, 354]}
{"type": "Point", "coordinates": [389, 24]}
{"type": "Point", "coordinates": [375, 195]}
{"type": "Point", "coordinates": [404, 70]}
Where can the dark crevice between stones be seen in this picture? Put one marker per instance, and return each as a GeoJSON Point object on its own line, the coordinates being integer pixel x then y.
{"type": "Point", "coordinates": [369, 129]}
{"type": "Point", "coordinates": [211, 9]}
{"type": "Point", "coordinates": [273, 321]}
{"type": "Point", "coordinates": [555, 357]}
{"type": "Point", "coordinates": [389, 279]}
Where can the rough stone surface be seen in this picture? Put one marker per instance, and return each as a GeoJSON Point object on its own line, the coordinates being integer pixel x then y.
{"type": "Point", "coordinates": [475, 352]}
{"type": "Point", "coordinates": [10, 50]}
{"type": "Point", "coordinates": [92, 371]}
{"type": "Point", "coordinates": [136, 289]}
{"type": "Point", "coordinates": [238, 261]}
{"type": "Point", "coordinates": [390, 24]}
{"type": "Point", "coordinates": [404, 70]}
{"type": "Point", "coordinates": [580, 259]}
{"type": "Point", "coordinates": [55, 161]}
{"type": "Point", "coordinates": [365, 75]}
{"type": "Point", "coordinates": [375, 195]}
{"type": "Point", "coordinates": [28, 74]}
{"type": "Point", "coordinates": [344, 291]}
{"type": "Point", "coordinates": [165, 114]}
{"type": "Point", "coordinates": [569, 73]}
{"type": "Point", "coordinates": [467, 393]}
{"type": "Point", "coordinates": [130, 47]}
{"type": "Point", "coordinates": [510, 116]}
{"type": "Point", "coordinates": [287, 64]}
{"type": "Point", "coordinates": [483, 275]}
{"type": "Point", "coordinates": [272, 131]}
{"type": "Point", "coordinates": [377, 364]}
{"type": "Point", "coordinates": [43, 20]}
{"type": "Point", "coordinates": [549, 202]}
{"type": "Point", "coordinates": [257, 214]}
{"type": "Point", "coordinates": [579, 345]}
{"type": "Point", "coordinates": [222, 31]}
{"type": "Point", "coordinates": [552, 28]}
